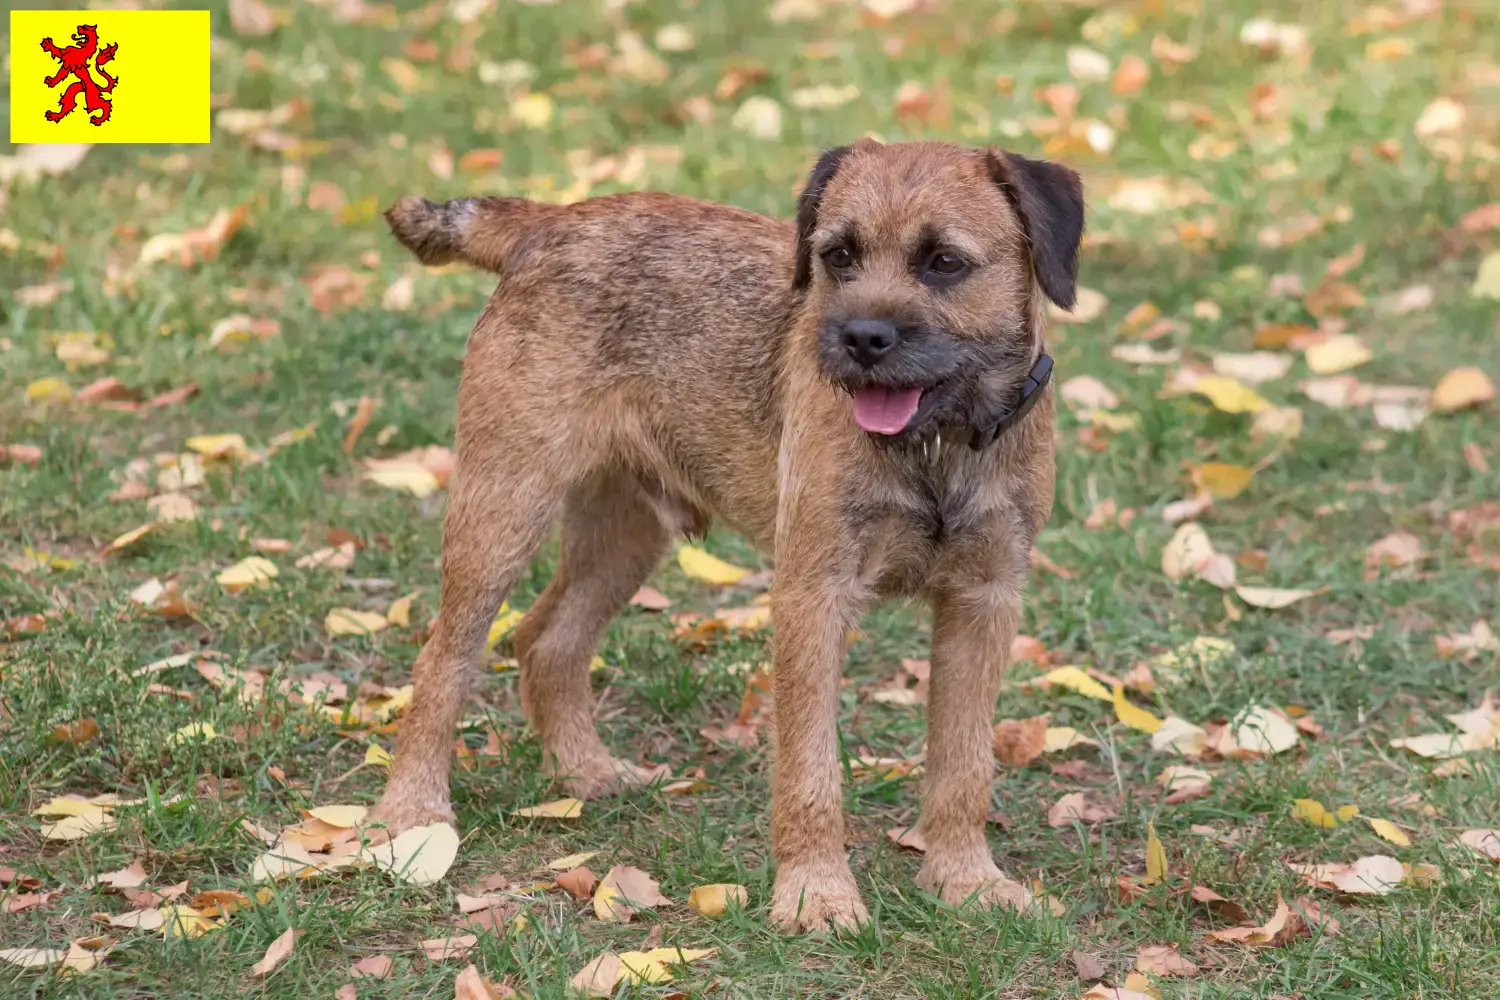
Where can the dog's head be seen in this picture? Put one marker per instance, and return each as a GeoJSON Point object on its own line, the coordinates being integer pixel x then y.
{"type": "Point", "coordinates": [923, 262]}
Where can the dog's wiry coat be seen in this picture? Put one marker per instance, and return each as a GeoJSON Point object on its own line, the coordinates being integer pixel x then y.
{"type": "Point", "coordinates": [650, 362]}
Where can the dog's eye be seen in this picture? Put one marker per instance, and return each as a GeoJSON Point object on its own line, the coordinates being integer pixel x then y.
{"type": "Point", "coordinates": [838, 258]}
{"type": "Point", "coordinates": [946, 264]}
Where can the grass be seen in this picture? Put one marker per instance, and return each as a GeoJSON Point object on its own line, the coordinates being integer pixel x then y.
{"type": "Point", "coordinates": [1313, 508]}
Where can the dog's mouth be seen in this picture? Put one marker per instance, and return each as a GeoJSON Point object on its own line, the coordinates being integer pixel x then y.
{"type": "Point", "coordinates": [883, 409]}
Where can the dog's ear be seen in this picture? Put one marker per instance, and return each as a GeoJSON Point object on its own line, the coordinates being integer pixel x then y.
{"type": "Point", "coordinates": [807, 211]}
{"type": "Point", "coordinates": [1049, 199]}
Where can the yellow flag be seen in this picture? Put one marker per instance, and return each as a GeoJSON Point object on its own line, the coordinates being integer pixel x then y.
{"type": "Point", "coordinates": [109, 76]}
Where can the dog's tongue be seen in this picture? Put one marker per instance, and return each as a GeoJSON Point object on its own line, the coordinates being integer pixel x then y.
{"type": "Point", "coordinates": [885, 411]}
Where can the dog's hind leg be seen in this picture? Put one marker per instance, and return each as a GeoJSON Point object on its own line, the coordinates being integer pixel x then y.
{"type": "Point", "coordinates": [612, 538]}
{"type": "Point", "coordinates": [507, 488]}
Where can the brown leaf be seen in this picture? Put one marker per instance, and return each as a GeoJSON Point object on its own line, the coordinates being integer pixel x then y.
{"type": "Point", "coordinates": [1479, 219]}
{"type": "Point", "coordinates": [651, 599]}
{"type": "Point", "coordinates": [458, 946]}
{"type": "Point", "coordinates": [1018, 742]}
{"type": "Point", "coordinates": [1163, 960]}
{"type": "Point", "coordinates": [16, 902]}
{"type": "Point", "coordinates": [77, 733]}
{"type": "Point", "coordinates": [1220, 906]}
{"type": "Point", "coordinates": [132, 875]}
{"type": "Point", "coordinates": [1088, 966]}
{"type": "Point", "coordinates": [1072, 808]}
{"type": "Point", "coordinates": [578, 881]}
{"type": "Point", "coordinates": [275, 954]}
{"type": "Point", "coordinates": [357, 423]}
{"type": "Point", "coordinates": [470, 985]}
{"type": "Point", "coordinates": [624, 888]}
{"type": "Point", "coordinates": [909, 837]}
{"type": "Point", "coordinates": [9, 876]}
{"type": "Point", "coordinates": [375, 966]}
{"type": "Point", "coordinates": [1401, 548]}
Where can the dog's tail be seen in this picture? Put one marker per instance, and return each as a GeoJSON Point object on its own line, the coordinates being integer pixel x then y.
{"type": "Point", "coordinates": [478, 231]}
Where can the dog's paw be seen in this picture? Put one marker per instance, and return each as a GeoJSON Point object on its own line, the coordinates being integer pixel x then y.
{"type": "Point", "coordinates": [815, 899]}
{"type": "Point", "coordinates": [979, 883]}
{"type": "Point", "coordinates": [596, 777]}
{"type": "Point", "coordinates": [400, 812]}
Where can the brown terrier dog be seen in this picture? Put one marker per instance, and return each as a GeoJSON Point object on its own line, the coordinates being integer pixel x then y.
{"type": "Point", "coordinates": [864, 396]}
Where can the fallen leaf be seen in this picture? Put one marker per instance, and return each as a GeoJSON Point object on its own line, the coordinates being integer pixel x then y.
{"type": "Point", "coordinates": [909, 837]}
{"type": "Point", "coordinates": [252, 571]}
{"type": "Point", "coordinates": [1136, 718]}
{"type": "Point", "coordinates": [1101, 992]}
{"type": "Point", "coordinates": [1188, 553]}
{"type": "Point", "coordinates": [1263, 730]}
{"type": "Point", "coordinates": [1319, 815]}
{"type": "Point", "coordinates": [132, 875]}
{"type": "Point", "coordinates": [714, 900]}
{"type": "Point", "coordinates": [700, 565]}
{"type": "Point", "coordinates": [1229, 395]}
{"type": "Point", "coordinates": [1181, 736]}
{"type": "Point", "coordinates": [1486, 842]}
{"type": "Point", "coordinates": [128, 539]}
{"type": "Point", "coordinates": [556, 809]}
{"type": "Point", "coordinates": [348, 621]}
{"type": "Point", "coordinates": [1487, 280]}
{"type": "Point", "coordinates": [1088, 966]}
{"type": "Point", "coordinates": [419, 856]}
{"type": "Point", "coordinates": [1084, 392]}
{"type": "Point", "coordinates": [579, 881]}
{"type": "Point", "coordinates": [1020, 741]}
{"type": "Point", "coordinates": [1072, 808]}
{"type": "Point", "coordinates": [1088, 306]}
{"type": "Point", "coordinates": [32, 958]}
{"type": "Point", "coordinates": [373, 966]}
{"type": "Point", "coordinates": [1462, 387]}
{"type": "Point", "coordinates": [279, 950]}
{"type": "Point", "coordinates": [1221, 480]}
{"type": "Point", "coordinates": [1077, 680]}
{"type": "Point", "coordinates": [1156, 857]}
{"type": "Point", "coordinates": [1387, 830]}
{"type": "Point", "coordinates": [571, 861]}
{"type": "Point", "coordinates": [651, 599]}
{"type": "Point", "coordinates": [599, 977]}
{"type": "Point", "coordinates": [1163, 960]}
{"type": "Point", "coordinates": [1272, 598]}
{"type": "Point", "coordinates": [193, 732]}
{"type": "Point", "coordinates": [1219, 905]}
{"type": "Point", "coordinates": [1337, 354]}
{"type": "Point", "coordinates": [470, 985]}
{"type": "Point", "coordinates": [442, 949]}
{"type": "Point", "coordinates": [186, 922]}
{"type": "Point", "coordinates": [622, 889]}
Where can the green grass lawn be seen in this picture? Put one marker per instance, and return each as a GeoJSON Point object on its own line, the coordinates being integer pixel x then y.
{"type": "Point", "coordinates": [1220, 190]}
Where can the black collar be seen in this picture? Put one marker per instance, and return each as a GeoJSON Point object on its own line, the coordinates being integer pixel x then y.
{"type": "Point", "coordinates": [983, 433]}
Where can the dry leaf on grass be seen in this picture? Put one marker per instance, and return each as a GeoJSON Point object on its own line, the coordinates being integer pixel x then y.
{"type": "Point", "coordinates": [714, 900]}
{"type": "Point", "coordinates": [556, 809]}
{"type": "Point", "coordinates": [1376, 875]}
{"type": "Point", "coordinates": [442, 949]}
{"type": "Point", "coordinates": [578, 881]}
{"type": "Point", "coordinates": [1486, 842]}
{"type": "Point", "coordinates": [1073, 808]}
{"type": "Point", "coordinates": [1020, 741]}
{"type": "Point", "coordinates": [909, 837]}
{"type": "Point", "coordinates": [700, 565]}
{"type": "Point", "coordinates": [624, 888]}
{"type": "Point", "coordinates": [471, 985]}
{"type": "Point", "coordinates": [275, 954]}
{"type": "Point", "coordinates": [1164, 960]}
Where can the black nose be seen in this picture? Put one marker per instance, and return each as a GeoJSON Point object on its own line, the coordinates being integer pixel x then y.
{"type": "Point", "coordinates": [869, 340]}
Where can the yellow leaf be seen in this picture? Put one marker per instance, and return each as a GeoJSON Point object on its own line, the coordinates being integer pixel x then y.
{"type": "Point", "coordinates": [1223, 480]}
{"type": "Point", "coordinates": [1346, 813]}
{"type": "Point", "coordinates": [699, 564]}
{"type": "Point", "coordinates": [409, 476]}
{"type": "Point", "coordinates": [1060, 738]}
{"type": "Point", "coordinates": [218, 445]}
{"type": "Point", "coordinates": [1156, 857]}
{"type": "Point", "coordinates": [1314, 812]}
{"type": "Point", "coordinates": [640, 968]}
{"type": "Point", "coordinates": [1436, 745]}
{"type": "Point", "coordinates": [1075, 679]}
{"type": "Point", "coordinates": [49, 390]}
{"type": "Point", "coordinates": [1135, 718]}
{"type": "Point", "coordinates": [193, 731]}
{"type": "Point", "coordinates": [678, 956]}
{"type": "Point", "coordinates": [571, 861]}
{"type": "Point", "coordinates": [532, 110]}
{"type": "Point", "coordinates": [129, 538]}
{"type": "Point", "coordinates": [1229, 395]}
{"type": "Point", "coordinates": [556, 809]}
{"type": "Point", "coordinates": [1463, 387]}
{"type": "Point", "coordinates": [505, 621]}
{"type": "Point", "coordinates": [1337, 354]}
{"type": "Point", "coordinates": [378, 755]}
{"type": "Point", "coordinates": [186, 922]}
{"type": "Point", "coordinates": [69, 807]}
{"type": "Point", "coordinates": [1271, 597]}
{"type": "Point", "coordinates": [32, 958]}
{"type": "Point", "coordinates": [1486, 282]}
{"type": "Point", "coordinates": [421, 855]}
{"type": "Point", "coordinates": [399, 613]}
{"type": "Point", "coordinates": [348, 621]}
{"type": "Point", "coordinates": [1181, 736]}
{"type": "Point", "coordinates": [252, 571]}
{"type": "Point", "coordinates": [78, 826]}
{"type": "Point", "coordinates": [1189, 551]}
{"type": "Point", "coordinates": [1258, 729]}
{"type": "Point", "coordinates": [343, 817]}
{"type": "Point", "coordinates": [1389, 831]}
{"type": "Point", "coordinates": [713, 900]}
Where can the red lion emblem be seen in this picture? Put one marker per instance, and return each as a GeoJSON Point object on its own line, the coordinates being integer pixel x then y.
{"type": "Point", "coordinates": [75, 62]}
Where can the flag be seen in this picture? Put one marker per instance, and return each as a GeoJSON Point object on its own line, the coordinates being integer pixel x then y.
{"type": "Point", "coordinates": [109, 76]}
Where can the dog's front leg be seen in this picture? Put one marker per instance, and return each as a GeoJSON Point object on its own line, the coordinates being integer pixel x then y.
{"type": "Point", "coordinates": [974, 620]}
{"type": "Point", "coordinates": [814, 887]}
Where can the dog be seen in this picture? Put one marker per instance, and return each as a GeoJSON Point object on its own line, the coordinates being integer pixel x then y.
{"type": "Point", "coordinates": [864, 393]}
